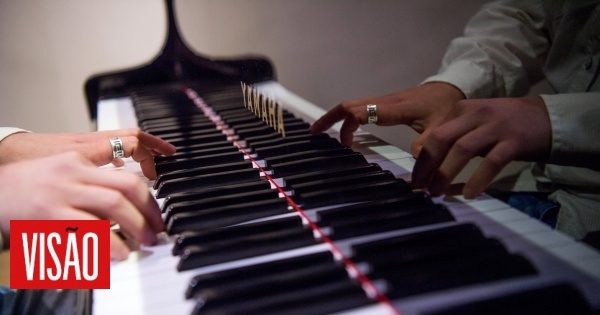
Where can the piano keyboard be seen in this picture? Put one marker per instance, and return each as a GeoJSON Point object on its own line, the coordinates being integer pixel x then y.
{"type": "Point", "coordinates": [257, 224]}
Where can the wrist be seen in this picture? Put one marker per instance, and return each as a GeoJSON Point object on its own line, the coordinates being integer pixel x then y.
{"type": "Point", "coordinates": [9, 142]}
{"type": "Point", "coordinates": [445, 89]}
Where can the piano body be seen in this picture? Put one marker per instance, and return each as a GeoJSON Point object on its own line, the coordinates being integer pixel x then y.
{"type": "Point", "coordinates": [258, 224]}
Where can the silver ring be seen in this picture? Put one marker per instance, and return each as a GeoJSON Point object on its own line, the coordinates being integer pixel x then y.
{"type": "Point", "coordinates": [117, 148]}
{"type": "Point", "coordinates": [371, 114]}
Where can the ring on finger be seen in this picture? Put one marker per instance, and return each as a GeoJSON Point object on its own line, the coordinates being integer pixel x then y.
{"type": "Point", "coordinates": [371, 114]}
{"type": "Point", "coordinates": [117, 147]}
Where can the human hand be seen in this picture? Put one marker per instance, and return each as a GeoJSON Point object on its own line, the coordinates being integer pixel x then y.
{"type": "Point", "coordinates": [421, 108]}
{"type": "Point", "coordinates": [94, 146]}
{"type": "Point", "coordinates": [501, 130]}
{"type": "Point", "coordinates": [69, 187]}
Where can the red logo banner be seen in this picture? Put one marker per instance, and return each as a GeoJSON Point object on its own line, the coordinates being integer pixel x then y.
{"type": "Point", "coordinates": [60, 254]}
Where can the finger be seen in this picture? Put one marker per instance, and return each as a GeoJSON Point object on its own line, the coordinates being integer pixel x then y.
{"type": "Point", "coordinates": [110, 204]}
{"type": "Point", "coordinates": [349, 126]}
{"type": "Point", "coordinates": [155, 144]}
{"type": "Point", "coordinates": [118, 249]}
{"type": "Point", "coordinates": [132, 188]}
{"type": "Point", "coordinates": [489, 168]}
{"type": "Point", "coordinates": [150, 142]}
{"type": "Point", "coordinates": [435, 149]}
{"type": "Point", "coordinates": [464, 149]}
{"type": "Point", "coordinates": [417, 144]}
{"type": "Point", "coordinates": [140, 154]}
{"type": "Point", "coordinates": [329, 119]}
{"type": "Point", "coordinates": [118, 162]}
{"type": "Point", "coordinates": [148, 168]}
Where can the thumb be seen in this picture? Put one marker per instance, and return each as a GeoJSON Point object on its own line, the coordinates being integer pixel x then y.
{"type": "Point", "coordinates": [118, 162]}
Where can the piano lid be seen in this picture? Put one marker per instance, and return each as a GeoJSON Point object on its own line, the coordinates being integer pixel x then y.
{"type": "Point", "coordinates": [177, 63]}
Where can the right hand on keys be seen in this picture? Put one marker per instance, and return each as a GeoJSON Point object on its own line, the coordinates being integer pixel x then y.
{"type": "Point", "coordinates": [67, 186]}
{"type": "Point", "coordinates": [453, 131]}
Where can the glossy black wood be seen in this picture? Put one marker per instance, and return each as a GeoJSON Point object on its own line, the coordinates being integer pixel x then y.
{"type": "Point", "coordinates": [176, 63]}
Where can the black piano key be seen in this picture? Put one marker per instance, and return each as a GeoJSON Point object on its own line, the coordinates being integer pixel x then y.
{"type": "Point", "coordinates": [441, 275]}
{"type": "Point", "coordinates": [195, 153]}
{"type": "Point", "coordinates": [240, 120]}
{"type": "Point", "coordinates": [256, 143]}
{"type": "Point", "coordinates": [203, 136]}
{"type": "Point", "coordinates": [256, 131]}
{"type": "Point", "coordinates": [206, 181]}
{"type": "Point", "coordinates": [223, 216]}
{"type": "Point", "coordinates": [555, 299]}
{"type": "Point", "coordinates": [225, 108]}
{"type": "Point", "coordinates": [363, 251]}
{"type": "Point", "coordinates": [251, 124]}
{"type": "Point", "coordinates": [350, 297]}
{"type": "Point", "coordinates": [452, 256]}
{"type": "Point", "coordinates": [297, 146]}
{"type": "Point", "coordinates": [442, 250]}
{"type": "Point", "coordinates": [245, 247]}
{"type": "Point", "coordinates": [351, 194]}
{"type": "Point", "coordinates": [264, 129]}
{"type": "Point", "coordinates": [275, 135]}
{"type": "Point", "coordinates": [300, 125]}
{"type": "Point", "coordinates": [180, 127]}
{"type": "Point", "coordinates": [189, 133]}
{"type": "Point", "coordinates": [199, 205]}
{"type": "Point", "coordinates": [426, 257]}
{"type": "Point", "coordinates": [213, 169]}
{"type": "Point", "coordinates": [148, 116]}
{"type": "Point", "coordinates": [198, 238]}
{"type": "Point", "coordinates": [325, 298]}
{"type": "Point", "coordinates": [325, 174]}
{"type": "Point", "coordinates": [389, 221]}
{"type": "Point", "coordinates": [234, 289]}
{"type": "Point", "coordinates": [305, 155]}
{"type": "Point", "coordinates": [318, 163]}
{"type": "Point", "coordinates": [237, 116]}
{"type": "Point", "coordinates": [186, 141]}
{"type": "Point", "coordinates": [342, 181]}
{"type": "Point", "coordinates": [269, 284]}
{"type": "Point", "coordinates": [211, 134]}
{"type": "Point", "coordinates": [204, 146]}
{"type": "Point", "coordinates": [211, 192]}
{"type": "Point", "coordinates": [200, 161]}
{"type": "Point", "coordinates": [257, 271]}
{"type": "Point", "coordinates": [287, 118]}
{"type": "Point", "coordinates": [227, 112]}
{"type": "Point", "coordinates": [408, 202]}
{"type": "Point", "coordinates": [170, 122]}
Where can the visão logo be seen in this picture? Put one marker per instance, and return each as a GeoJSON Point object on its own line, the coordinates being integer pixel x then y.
{"type": "Point", "coordinates": [60, 254]}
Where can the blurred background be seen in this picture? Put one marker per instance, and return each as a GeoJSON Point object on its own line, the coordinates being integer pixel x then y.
{"type": "Point", "coordinates": [326, 51]}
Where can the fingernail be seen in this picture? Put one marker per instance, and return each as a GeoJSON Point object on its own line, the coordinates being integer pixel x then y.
{"type": "Point", "coordinates": [468, 193]}
{"type": "Point", "coordinates": [121, 254]}
{"type": "Point", "coordinates": [150, 238]}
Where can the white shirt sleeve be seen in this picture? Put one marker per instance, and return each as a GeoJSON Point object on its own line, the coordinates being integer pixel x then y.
{"type": "Point", "coordinates": [7, 131]}
{"type": "Point", "coordinates": [501, 53]}
{"type": "Point", "coordinates": [575, 128]}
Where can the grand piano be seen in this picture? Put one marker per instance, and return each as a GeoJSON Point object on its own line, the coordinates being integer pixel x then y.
{"type": "Point", "coordinates": [261, 224]}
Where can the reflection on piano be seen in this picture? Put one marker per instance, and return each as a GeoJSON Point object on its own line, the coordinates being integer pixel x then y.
{"type": "Point", "coordinates": [260, 224]}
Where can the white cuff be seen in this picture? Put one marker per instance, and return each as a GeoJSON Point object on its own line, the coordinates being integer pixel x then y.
{"type": "Point", "coordinates": [7, 131]}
